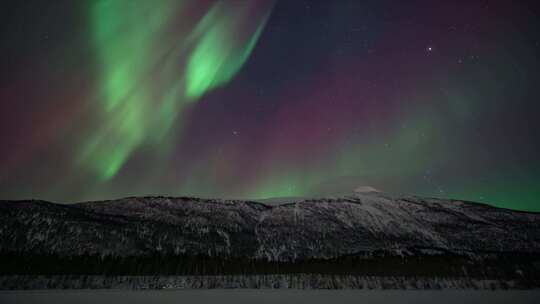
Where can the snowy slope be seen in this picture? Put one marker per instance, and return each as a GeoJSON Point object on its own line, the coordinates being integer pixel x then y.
{"type": "Point", "coordinates": [364, 223]}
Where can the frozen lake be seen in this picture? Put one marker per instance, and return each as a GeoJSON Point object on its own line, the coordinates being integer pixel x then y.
{"type": "Point", "coordinates": [247, 296]}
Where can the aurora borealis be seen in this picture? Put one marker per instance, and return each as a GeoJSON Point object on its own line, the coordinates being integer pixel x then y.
{"type": "Point", "coordinates": [258, 99]}
{"type": "Point", "coordinates": [143, 72]}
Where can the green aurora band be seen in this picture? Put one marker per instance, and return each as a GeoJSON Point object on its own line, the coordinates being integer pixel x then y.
{"type": "Point", "coordinates": [149, 73]}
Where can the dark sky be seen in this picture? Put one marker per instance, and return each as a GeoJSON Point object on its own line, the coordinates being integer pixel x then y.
{"type": "Point", "coordinates": [258, 99]}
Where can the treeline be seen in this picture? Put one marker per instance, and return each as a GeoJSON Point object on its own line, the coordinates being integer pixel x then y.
{"type": "Point", "coordinates": [504, 266]}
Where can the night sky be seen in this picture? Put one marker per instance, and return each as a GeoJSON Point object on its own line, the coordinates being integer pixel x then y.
{"type": "Point", "coordinates": [260, 99]}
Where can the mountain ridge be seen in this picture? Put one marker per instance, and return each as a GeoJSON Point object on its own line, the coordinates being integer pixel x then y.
{"type": "Point", "coordinates": [309, 228]}
{"type": "Point", "coordinates": [286, 200]}
{"type": "Point", "coordinates": [339, 242]}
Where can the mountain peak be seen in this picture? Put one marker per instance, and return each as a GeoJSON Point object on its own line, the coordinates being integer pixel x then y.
{"type": "Point", "coordinates": [365, 189]}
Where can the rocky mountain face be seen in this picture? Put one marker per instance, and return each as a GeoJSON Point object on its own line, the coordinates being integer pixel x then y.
{"type": "Point", "coordinates": [359, 225]}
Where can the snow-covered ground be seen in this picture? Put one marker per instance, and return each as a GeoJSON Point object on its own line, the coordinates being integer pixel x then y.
{"type": "Point", "coordinates": [270, 296]}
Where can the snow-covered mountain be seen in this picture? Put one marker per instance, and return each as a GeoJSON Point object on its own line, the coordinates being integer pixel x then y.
{"type": "Point", "coordinates": [361, 224]}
